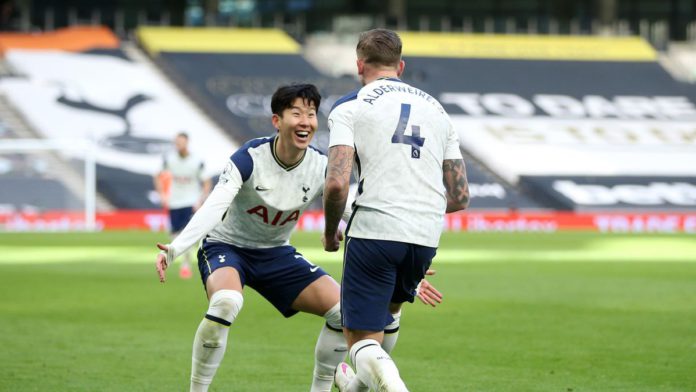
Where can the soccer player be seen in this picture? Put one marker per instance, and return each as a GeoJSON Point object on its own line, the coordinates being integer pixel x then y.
{"type": "Point", "coordinates": [410, 173]}
{"type": "Point", "coordinates": [182, 189]}
{"type": "Point", "coordinates": [246, 224]}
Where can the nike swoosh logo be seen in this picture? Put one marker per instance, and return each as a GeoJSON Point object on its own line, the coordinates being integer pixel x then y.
{"type": "Point", "coordinates": [314, 269]}
{"type": "Point", "coordinates": [261, 189]}
{"type": "Point", "coordinates": [340, 350]}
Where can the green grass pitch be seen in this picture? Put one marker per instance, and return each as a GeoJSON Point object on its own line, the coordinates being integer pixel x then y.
{"type": "Point", "coordinates": [523, 312]}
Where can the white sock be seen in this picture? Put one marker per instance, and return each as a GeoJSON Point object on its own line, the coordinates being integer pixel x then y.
{"type": "Point", "coordinates": [391, 333]}
{"type": "Point", "coordinates": [211, 337]}
{"type": "Point", "coordinates": [374, 368]}
{"type": "Point", "coordinates": [331, 349]}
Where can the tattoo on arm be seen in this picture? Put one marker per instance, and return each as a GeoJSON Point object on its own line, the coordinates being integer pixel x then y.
{"type": "Point", "coordinates": [337, 182]}
{"type": "Point", "coordinates": [456, 184]}
{"type": "Point", "coordinates": [340, 163]}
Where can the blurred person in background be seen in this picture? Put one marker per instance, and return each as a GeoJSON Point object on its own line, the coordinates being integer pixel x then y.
{"type": "Point", "coordinates": [410, 173]}
{"type": "Point", "coordinates": [182, 188]}
{"type": "Point", "coordinates": [245, 227]}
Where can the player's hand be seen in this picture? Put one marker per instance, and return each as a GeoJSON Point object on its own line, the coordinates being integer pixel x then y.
{"type": "Point", "coordinates": [332, 244]}
{"type": "Point", "coordinates": [427, 293]}
{"type": "Point", "coordinates": [161, 263]}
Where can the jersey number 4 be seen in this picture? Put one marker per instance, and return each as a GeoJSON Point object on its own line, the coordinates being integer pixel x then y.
{"type": "Point", "coordinates": [414, 140]}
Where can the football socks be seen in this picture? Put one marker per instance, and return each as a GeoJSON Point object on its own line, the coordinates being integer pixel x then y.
{"type": "Point", "coordinates": [374, 368]}
{"type": "Point", "coordinates": [330, 350]}
{"type": "Point", "coordinates": [211, 337]}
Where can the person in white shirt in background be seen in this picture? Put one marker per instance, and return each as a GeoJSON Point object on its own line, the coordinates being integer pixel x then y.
{"type": "Point", "coordinates": [185, 192]}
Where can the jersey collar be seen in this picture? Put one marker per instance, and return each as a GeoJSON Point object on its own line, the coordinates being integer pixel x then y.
{"type": "Point", "coordinates": [279, 162]}
{"type": "Point", "coordinates": [391, 79]}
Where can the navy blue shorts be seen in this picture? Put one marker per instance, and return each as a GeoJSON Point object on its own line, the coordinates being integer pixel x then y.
{"type": "Point", "coordinates": [376, 273]}
{"type": "Point", "coordinates": [278, 274]}
{"type": "Point", "coordinates": [179, 217]}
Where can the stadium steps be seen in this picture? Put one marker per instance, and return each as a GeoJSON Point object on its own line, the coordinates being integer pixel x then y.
{"type": "Point", "coordinates": [472, 161]}
{"type": "Point", "coordinates": [70, 176]}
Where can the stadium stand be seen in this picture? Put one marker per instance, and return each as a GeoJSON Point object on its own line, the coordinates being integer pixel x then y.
{"type": "Point", "coordinates": [29, 184]}
{"type": "Point", "coordinates": [74, 39]}
{"type": "Point", "coordinates": [80, 84]}
{"type": "Point", "coordinates": [34, 180]}
{"type": "Point", "coordinates": [235, 72]}
{"type": "Point", "coordinates": [491, 193]}
{"type": "Point", "coordinates": [547, 123]}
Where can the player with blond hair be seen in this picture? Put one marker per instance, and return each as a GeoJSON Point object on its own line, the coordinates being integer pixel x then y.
{"type": "Point", "coordinates": [410, 173]}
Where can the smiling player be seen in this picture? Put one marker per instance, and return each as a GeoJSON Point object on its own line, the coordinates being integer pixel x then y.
{"type": "Point", "coordinates": [246, 224]}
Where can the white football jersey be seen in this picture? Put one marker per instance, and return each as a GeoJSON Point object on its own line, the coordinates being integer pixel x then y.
{"type": "Point", "coordinates": [401, 137]}
{"type": "Point", "coordinates": [187, 178]}
{"type": "Point", "coordinates": [271, 197]}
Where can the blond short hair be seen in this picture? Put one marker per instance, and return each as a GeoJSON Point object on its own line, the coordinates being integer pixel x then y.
{"type": "Point", "coordinates": [380, 47]}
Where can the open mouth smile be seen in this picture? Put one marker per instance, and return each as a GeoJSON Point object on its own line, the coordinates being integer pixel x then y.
{"type": "Point", "coordinates": [302, 134]}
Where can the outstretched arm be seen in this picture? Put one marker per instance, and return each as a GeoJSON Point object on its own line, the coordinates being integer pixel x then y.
{"type": "Point", "coordinates": [456, 184]}
{"type": "Point", "coordinates": [204, 220]}
{"type": "Point", "coordinates": [336, 193]}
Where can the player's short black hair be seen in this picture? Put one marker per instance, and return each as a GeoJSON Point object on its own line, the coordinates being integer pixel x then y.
{"type": "Point", "coordinates": [284, 96]}
{"type": "Point", "coordinates": [182, 134]}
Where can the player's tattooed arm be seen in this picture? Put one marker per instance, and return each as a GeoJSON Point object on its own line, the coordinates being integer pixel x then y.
{"type": "Point", "coordinates": [456, 184]}
{"type": "Point", "coordinates": [336, 187]}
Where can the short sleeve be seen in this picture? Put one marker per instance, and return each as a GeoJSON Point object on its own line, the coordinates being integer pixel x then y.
{"type": "Point", "coordinates": [231, 177]}
{"type": "Point", "coordinates": [452, 150]}
{"type": "Point", "coordinates": [242, 161]}
{"type": "Point", "coordinates": [341, 124]}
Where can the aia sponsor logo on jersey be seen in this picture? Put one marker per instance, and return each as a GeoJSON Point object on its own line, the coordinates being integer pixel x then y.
{"type": "Point", "coordinates": [279, 219]}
